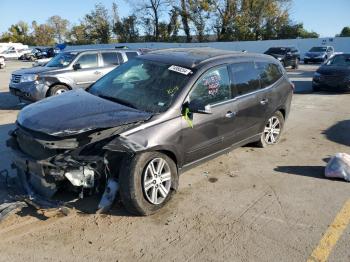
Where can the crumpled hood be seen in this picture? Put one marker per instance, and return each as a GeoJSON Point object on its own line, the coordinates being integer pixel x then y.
{"type": "Point", "coordinates": [34, 70]}
{"type": "Point", "coordinates": [76, 112]}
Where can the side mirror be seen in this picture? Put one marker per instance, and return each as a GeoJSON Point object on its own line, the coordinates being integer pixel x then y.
{"type": "Point", "coordinates": [197, 106]}
{"type": "Point", "coordinates": [76, 66]}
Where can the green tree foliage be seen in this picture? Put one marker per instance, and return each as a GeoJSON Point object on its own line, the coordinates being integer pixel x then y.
{"type": "Point", "coordinates": [166, 20]}
{"type": "Point", "coordinates": [292, 31]}
{"type": "Point", "coordinates": [43, 34]}
{"type": "Point", "coordinates": [345, 32]}
{"type": "Point", "coordinates": [98, 25]}
{"type": "Point", "coordinates": [60, 27]}
{"type": "Point", "coordinates": [126, 29]}
{"type": "Point", "coordinates": [78, 35]}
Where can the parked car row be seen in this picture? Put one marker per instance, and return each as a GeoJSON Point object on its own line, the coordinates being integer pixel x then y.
{"type": "Point", "coordinates": [290, 56]}
{"type": "Point", "coordinates": [142, 124]}
{"type": "Point", "coordinates": [68, 70]}
{"type": "Point", "coordinates": [39, 53]}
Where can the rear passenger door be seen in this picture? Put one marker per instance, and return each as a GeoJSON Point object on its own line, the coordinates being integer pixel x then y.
{"type": "Point", "coordinates": [271, 94]}
{"type": "Point", "coordinates": [110, 61]}
{"type": "Point", "coordinates": [250, 111]}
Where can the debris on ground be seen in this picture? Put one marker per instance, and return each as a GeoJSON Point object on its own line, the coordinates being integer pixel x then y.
{"type": "Point", "coordinates": [339, 167]}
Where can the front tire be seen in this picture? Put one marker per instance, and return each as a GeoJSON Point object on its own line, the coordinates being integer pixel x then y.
{"type": "Point", "coordinates": [147, 182]}
{"type": "Point", "coordinates": [272, 132]}
{"type": "Point", "coordinates": [57, 90]}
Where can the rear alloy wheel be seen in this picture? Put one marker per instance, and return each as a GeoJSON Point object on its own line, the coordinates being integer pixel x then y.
{"type": "Point", "coordinates": [272, 130]}
{"type": "Point", "coordinates": [57, 90]}
{"type": "Point", "coordinates": [147, 182]}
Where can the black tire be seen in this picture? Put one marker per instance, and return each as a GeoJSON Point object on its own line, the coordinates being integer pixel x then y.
{"type": "Point", "coordinates": [262, 142]}
{"type": "Point", "coordinates": [131, 178]}
{"type": "Point", "coordinates": [55, 90]}
{"type": "Point", "coordinates": [306, 62]}
{"type": "Point", "coordinates": [315, 88]}
{"type": "Point", "coordinates": [296, 64]}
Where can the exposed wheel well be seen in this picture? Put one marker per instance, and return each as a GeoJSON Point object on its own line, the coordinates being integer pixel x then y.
{"type": "Point", "coordinates": [55, 84]}
{"type": "Point", "coordinates": [283, 111]}
{"type": "Point", "coordinates": [169, 154]}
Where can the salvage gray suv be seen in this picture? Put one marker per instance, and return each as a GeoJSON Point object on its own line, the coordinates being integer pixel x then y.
{"type": "Point", "coordinates": [137, 128]}
{"type": "Point", "coordinates": [66, 71]}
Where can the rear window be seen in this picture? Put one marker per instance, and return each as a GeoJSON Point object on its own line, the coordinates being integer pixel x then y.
{"type": "Point", "coordinates": [131, 55]}
{"type": "Point", "coordinates": [269, 73]}
{"type": "Point", "coordinates": [245, 77]}
{"type": "Point", "coordinates": [110, 58]}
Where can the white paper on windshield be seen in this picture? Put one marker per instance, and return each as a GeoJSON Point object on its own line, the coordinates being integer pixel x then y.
{"type": "Point", "coordinates": [180, 70]}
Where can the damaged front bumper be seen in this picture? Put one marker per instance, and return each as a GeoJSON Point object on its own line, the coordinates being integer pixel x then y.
{"type": "Point", "coordinates": [83, 164]}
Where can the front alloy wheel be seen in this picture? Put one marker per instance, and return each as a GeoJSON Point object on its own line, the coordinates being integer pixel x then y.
{"type": "Point", "coordinates": [156, 181]}
{"type": "Point", "coordinates": [147, 180]}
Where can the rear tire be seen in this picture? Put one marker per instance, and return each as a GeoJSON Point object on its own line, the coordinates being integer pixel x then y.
{"type": "Point", "coordinates": [271, 135]}
{"type": "Point", "coordinates": [144, 189]}
{"type": "Point", "coordinates": [315, 88]}
{"type": "Point", "coordinates": [57, 90]}
{"type": "Point", "coordinates": [296, 64]}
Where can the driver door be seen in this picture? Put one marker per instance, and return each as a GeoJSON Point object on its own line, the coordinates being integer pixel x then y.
{"type": "Point", "coordinates": [208, 131]}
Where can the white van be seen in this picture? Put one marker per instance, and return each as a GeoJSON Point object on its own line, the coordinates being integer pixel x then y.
{"type": "Point", "coordinates": [12, 46]}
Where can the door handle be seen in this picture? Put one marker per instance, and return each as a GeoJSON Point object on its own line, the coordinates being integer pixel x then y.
{"type": "Point", "coordinates": [97, 72]}
{"type": "Point", "coordinates": [264, 101]}
{"type": "Point", "coordinates": [230, 114]}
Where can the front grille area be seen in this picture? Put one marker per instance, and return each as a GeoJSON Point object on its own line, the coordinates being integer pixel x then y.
{"type": "Point", "coordinates": [16, 79]}
{"type": "Point", "coordinates": [32, 148]}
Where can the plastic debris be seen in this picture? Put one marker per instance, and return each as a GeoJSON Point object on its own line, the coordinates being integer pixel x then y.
{"type": "Point", "coordinates": [8, 208]}
{"type": "Point", "coordinates": [339, 167]}
{"type": "Point", "coordinates": [108, 196]}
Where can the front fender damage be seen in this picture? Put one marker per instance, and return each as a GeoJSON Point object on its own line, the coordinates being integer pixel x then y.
{"type": "Point", "coordinates": [86, 164]}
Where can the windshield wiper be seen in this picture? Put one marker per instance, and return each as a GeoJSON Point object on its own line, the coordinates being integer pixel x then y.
{"type": "Point", "coordinates": [119, 101]}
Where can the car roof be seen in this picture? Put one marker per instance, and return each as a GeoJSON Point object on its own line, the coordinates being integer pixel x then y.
{"type": "Point", "coordinates": [78, 51]}
{"type": "Point", "coordinates": [194, 57]}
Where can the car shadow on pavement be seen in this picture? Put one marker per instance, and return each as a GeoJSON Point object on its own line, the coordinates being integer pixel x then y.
{"type": "Point", "coordinates": [10, 102]}
{"type": "Point", "coordinates": [339, 133]}
{"type": "Point", "coordinates": [307, 171]}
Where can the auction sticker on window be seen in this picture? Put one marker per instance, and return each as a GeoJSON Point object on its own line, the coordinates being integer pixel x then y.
{"type": "Point", "coordinates": [180, 70]}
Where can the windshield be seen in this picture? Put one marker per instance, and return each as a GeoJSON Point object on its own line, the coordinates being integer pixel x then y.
{"type": "Point", "coordinates": [318, 49]}
{"type": "Point", "coordinates": [61, 60]}
{"type": "Point", "coordinates": [145, 85]}
{"type": "Point", "coordinates": [340, 60]}
{"type": "Point", "coordinates": [277, 50]}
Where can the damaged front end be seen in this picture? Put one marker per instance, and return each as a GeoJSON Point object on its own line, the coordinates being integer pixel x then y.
{"type": "Point", "coordinates": [83, 163]}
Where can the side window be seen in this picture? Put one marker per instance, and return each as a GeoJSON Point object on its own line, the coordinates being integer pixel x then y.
{"type": "Point", "coordinates": [130, 55]}
{"type": "Point", "coordinates": [88, 60]}
{"type": "Point", "coordinates": [212, 87]}
{"type": "Point", "coordinates": [110, 58]}
{"type": "Point", "coordinates": [245, 77]}
{"type": "Point", "coordinates": [269, 73]}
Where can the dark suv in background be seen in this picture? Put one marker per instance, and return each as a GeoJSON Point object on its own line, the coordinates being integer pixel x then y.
{"type": "Point", "coordinates": [68, 70]}
{"type": "Point", "coordinates": [148, 120]}
{"type": "Point", "coordinates": [288, 56]}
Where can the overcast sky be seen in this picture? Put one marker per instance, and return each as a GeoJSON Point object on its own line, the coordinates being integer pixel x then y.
{"type": "Point", "coordinates": [325, 17]}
